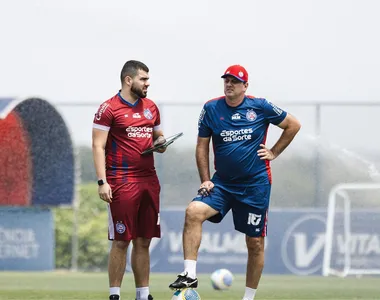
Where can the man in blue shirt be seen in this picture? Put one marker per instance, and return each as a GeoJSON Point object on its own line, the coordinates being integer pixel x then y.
{"type": "Point", "coordinates": [238, 126]}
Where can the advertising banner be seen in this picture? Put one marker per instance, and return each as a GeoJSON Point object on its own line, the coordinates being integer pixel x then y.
{"type": "Point", "coordinates": [26, 239]}
{"type": "Point", "coordinates": [294, 245]}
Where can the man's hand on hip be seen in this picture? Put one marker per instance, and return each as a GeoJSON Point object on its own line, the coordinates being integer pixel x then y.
{"type": "Point", "coordinates": [205, 188]}
{"type": "Point", "coordinates": [265, 153]}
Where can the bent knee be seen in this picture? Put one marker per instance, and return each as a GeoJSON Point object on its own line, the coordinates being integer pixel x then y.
{"type": "Point", "coordinates": [198, 212]}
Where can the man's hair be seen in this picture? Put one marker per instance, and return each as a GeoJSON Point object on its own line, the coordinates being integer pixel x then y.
{"type": "Point", "coordinates": [131, 68]}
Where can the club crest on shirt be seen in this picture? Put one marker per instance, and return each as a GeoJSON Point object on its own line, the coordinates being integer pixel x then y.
{"type": "Point", "coordinates": [250, 115]}
{"type": "Point", "coordinates": [120, 227]}
{"type": "Point", "coordinates": [148, 114]}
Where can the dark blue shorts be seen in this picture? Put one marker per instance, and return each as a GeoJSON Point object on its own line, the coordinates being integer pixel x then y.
{"type": "Point", "coordinates": [249, 207]}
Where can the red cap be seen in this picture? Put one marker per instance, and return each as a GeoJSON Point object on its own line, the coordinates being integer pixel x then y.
{"type": "Point", "coordinates": [238, 72]}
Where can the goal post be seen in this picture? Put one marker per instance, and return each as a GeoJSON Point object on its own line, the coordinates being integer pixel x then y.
{"type": "Point", "coordinates": [342, 240]}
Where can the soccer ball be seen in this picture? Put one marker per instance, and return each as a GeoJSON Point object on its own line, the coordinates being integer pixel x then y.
{"type": "Point", "coordinates": [221, 279]}
{"type": "Point", "coordinates": [186, 294]}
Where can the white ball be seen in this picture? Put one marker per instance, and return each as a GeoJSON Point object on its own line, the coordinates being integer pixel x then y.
{"type": "Point", "coordinates": [221, 279]}
{"type": "Point", "coordinates": [186, 294]}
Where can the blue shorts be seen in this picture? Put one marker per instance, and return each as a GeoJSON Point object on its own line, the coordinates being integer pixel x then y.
{"type": "Point", "coordinates": [249, 207]}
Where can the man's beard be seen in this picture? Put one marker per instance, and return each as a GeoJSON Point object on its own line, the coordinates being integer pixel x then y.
{"type": "Point", "coordinates": [138, 92]}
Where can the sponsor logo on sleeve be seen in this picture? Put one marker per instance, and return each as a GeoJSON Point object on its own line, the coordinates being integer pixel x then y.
{"type": "Point", "coordinates": [101, 110]}
{"type": "Point", "coordinates": [276, 109]}
{"type": "Point", "coordinates": [201, 117]}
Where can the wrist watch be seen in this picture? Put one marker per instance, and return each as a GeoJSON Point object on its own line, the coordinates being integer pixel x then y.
{"type": "Point", "coordinates": [101, 182]}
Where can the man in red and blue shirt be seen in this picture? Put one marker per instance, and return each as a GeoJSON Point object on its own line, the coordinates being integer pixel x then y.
{"type": "Point", "coordinates": [237, 125]}
{"type": "Point", "coordinates": [124, 126]}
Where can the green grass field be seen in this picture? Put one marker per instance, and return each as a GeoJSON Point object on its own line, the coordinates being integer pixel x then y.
{"type": "Point", "coordinates": [66, 285]}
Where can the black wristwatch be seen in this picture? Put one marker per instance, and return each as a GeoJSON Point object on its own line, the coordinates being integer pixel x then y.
{"type": "Point", "coordinates": [101, 182]}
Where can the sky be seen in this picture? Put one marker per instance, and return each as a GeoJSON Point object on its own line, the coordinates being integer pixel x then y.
{"type": "Point", "coordinates": [302, 51]}
{"type": "Point", "coordinates": [294, 50]}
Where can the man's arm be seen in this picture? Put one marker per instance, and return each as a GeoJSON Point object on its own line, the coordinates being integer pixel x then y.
{"type": "Point", "coordinates": [291, 126]}
{"type": "Point", "coordinates": [202, 157]}
{"type": "Point", "coordinates": [157, 133]}
{"type": "Point", "coordinates": [99, 140]}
